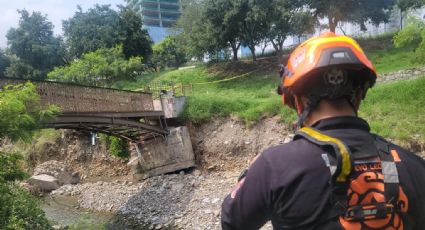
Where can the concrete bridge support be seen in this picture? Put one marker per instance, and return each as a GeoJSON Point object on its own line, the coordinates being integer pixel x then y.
{"type": "Point", "coordinates": [163, 155]}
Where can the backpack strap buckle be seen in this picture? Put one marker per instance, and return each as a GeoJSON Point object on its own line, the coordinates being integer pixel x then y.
{"type": "Point", "coordinates": [368, 212]}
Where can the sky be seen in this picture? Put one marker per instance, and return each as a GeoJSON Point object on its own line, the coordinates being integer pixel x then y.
{"type": "Point", "coordinates": [56, 11]}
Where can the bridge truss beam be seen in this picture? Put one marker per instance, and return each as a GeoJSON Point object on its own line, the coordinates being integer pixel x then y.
{"type": "Point", "coordinates": [130, 126]}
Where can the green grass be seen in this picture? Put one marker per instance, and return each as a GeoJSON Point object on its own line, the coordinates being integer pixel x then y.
{"type": "Point", "coordinates": [249, 97]}
{"type": "Point", "coordinates": [396, 110]}
{"type": "Point", "coordinates": [385, 57]}
{"type": "Point", "coordinates": [394, 59]}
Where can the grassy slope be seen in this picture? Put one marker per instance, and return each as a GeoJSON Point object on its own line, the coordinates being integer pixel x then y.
{"type": "Point", "coordinates": [249, 97]}
{"type": "Point", "coordinates": [394, 110]}
{"type": "Point", "coordinates": [385, 56]}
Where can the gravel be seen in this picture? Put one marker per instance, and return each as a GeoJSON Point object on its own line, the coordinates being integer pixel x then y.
{"type": "Point", "coordinates": [191, 201]}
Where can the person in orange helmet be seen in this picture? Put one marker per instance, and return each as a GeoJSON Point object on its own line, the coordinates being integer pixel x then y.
{"type": "Point", "coordinates": [335, 174]}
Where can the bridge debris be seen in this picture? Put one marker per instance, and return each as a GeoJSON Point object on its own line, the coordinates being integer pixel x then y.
{"type": "Point", "coordinates": [165, 155]}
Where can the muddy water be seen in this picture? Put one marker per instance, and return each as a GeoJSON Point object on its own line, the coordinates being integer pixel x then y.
{"type": "Point", "coordinates": [64, 211]}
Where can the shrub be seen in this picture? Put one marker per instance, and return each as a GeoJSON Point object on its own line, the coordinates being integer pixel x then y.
{"type": "Point", "coordinates": [168, 54]}
{"type": "Point", "coordinates": [18, 208]}
{"type": "Point", "coordinates": [413, 35]}
{"type": "Point", "coordinates": [20, 115]}
{"type": "Point", "coordinates": [118, 147]}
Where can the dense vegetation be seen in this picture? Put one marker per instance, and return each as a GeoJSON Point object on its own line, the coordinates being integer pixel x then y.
{"type": "Point", "coordinates": [33, 51]}
{"type": "Point", "coordinates": [100, 68]}
{"type": "Point", "coordinates": [20, 115]}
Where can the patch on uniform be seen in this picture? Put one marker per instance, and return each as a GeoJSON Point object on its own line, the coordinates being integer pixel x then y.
{"type": "Point", "coordinates": [236, 188]}
{"type": "Point", "coordinates": [366, 189]}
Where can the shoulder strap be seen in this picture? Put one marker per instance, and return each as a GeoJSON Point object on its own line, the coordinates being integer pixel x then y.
{"type": "Point", "coordinates": [341, 151]}
{"type": "Point", "coordinates": [389, 169]}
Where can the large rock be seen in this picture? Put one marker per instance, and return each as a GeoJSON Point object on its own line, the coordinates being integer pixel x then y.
{"type": "Point", "coordinates": [43, 182]}
{"type": "Point", "coordinates": [58, 170]}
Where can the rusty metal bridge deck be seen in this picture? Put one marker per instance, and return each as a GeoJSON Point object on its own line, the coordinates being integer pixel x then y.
{"type": "Point", "coordinates": [127, 114]}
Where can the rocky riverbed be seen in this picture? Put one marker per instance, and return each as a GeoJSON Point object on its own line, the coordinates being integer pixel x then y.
{"type": "Point", "coordinates": [176, 201]}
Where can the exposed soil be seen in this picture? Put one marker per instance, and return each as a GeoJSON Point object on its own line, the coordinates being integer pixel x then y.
{"type": "Point", "coordinates": [229, 145]}
{"type": "Point", "coordinates": [74, 148]}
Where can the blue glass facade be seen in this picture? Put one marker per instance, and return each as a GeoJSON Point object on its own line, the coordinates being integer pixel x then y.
{"type": "Point", "coordinates": [158, 15]}
{"type": "Point", "coordinates": [157, 33]}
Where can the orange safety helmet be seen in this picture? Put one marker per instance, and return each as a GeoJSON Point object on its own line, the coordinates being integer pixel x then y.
{"type": "Point", "coordinates": [327, 66]}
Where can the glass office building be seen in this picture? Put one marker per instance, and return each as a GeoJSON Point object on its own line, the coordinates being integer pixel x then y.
{"type": "Point", "coordinates": [157, 15]}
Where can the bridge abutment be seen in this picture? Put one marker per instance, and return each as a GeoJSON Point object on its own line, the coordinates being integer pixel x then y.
{"type": "Point", "coordinates": [163, 155]}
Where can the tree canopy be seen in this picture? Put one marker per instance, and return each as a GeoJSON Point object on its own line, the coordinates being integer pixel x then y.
{"type": "Point", "coordinates": [135, 40]}
{"type": "Point", "coordinates": [103, 27]}
{"type": "Point", "coordinates": [88, 31]}
{"type": "Point", "coordinates": [34, 46]}
{"type": "Point", "coordinates": [167, 53]}
{"type": "Point", "coordinates": [409, 4]}
{"type": "Point", "coordinates": [354, 11]}
{"type": "Point", "coordinates": [224, 20]}
{"type": "Point", "coordinates": [4, 62]}
{"type": "Point", "coordinates": [100, 68]}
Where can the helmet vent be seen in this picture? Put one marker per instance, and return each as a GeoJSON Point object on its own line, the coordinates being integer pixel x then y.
{"type": "Point", "coordinates": [338, 55]}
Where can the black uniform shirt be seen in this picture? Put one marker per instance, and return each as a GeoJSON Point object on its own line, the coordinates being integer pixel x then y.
{"type": "Point", "coordinates": [289, 184]}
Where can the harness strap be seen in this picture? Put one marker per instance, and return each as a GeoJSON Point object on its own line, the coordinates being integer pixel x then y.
{"type": "Point", "coordinates": [342, 153]}
{"type": "Point", "coordinates": [389, 170]}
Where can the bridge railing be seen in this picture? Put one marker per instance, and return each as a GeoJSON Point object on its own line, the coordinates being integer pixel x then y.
{"type": "Point", "coordinates": [72, 98]}
{"type": "Point", "coordinates": [160, 88]}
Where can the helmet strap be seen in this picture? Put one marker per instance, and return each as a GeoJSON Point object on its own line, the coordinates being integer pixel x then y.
{"type": "Point", "coordinates": [311, 105]}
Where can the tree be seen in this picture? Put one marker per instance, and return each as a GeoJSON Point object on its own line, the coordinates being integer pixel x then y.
{"type": "Point", "coordinates": [225, 20]}
{"type": "Point", "coordinates": [100, 68]}
{"type": "Point", "coordinates": [135, 40]}
{"type": "Point", "coordinates": [20, 115]}
{"type": "Point", "coordinates": [354, 11]}
{"type": "Point", "coordinates": [192, 32]}
{"type": "Point", "coordinates": [405, 5]}
{"type": "Point", "coordinates": [255, 22]}
{"type": "Point", "coordinates": [288, 18]}
{"type": "Point", "coordinates": [4, 62]}
{"type": "Point", "coordinates": [19, 69]}
{"type": "Point", "coordinates": [302, 24]}
{"type": "Point", "coordinates": [97, 28]}
{"type": "Point", "coordinates": [34, 45]}
{"type": "Point", "coordinates": [167, 53]}
{"type": "Point", "coordinates": [103, 27]}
